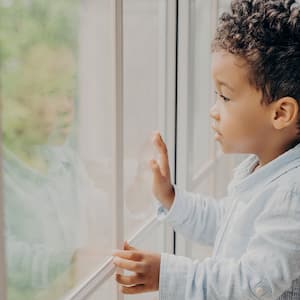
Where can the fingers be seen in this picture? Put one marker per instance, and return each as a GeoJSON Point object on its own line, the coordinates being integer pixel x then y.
{"type": "Point", "coordinates": [129, 254]}
{"type": "Point", "coordinates": [163, 151]}
{"type": "Point", "coordinates": [134, 266]}
{"type": "Point", "coordinates": [129, 259]}
{"type": "Point", "coordinates": [130, 280]}
{"type": "Point", "coordinates": [128, 247]}
{"type": "Point", "coordinates": [156, 170]}
{"type": "Point", "coordinates": [137, 289]}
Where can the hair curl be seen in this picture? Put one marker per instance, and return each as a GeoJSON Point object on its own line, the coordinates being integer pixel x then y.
{"type": "Point", "coordinates": [266, 33]}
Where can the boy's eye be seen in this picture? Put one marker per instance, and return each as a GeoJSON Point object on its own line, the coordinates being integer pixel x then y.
{"type": "Point", "coordinates": [222, 96]}
{"type": "Point", "coordinates": [225, 98]}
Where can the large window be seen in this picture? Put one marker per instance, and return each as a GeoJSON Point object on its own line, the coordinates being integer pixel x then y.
{"type": "Point", "coordinates": [83, 84]}
{"type": "Point", "coordinates": [55, 72]}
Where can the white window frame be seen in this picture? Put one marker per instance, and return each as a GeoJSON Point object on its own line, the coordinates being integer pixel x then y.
{"type": "Point", "coordinates": [166, 126]}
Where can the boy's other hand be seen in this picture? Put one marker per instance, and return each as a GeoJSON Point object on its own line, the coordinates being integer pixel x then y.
{"type": "Point", "coordinates": [145, 265]}
{"type": "Point", "coordinates": [161, 186]}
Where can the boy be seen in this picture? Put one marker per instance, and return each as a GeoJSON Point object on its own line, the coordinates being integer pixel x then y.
{"type": "Point", "coordinates": [256, 228]}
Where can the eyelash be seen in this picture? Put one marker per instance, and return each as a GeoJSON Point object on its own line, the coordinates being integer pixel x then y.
{"type": "Point", "coordinates": [222, 96]}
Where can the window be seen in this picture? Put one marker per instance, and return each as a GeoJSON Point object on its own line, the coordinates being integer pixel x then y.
{"type": "Point", "coordinates": [56, 67]}
{"type": "Point", "coordinates": [83, 83]}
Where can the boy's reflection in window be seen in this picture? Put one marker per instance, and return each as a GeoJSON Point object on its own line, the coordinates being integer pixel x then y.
{"type": "Point", "coordinates": [45, 185]}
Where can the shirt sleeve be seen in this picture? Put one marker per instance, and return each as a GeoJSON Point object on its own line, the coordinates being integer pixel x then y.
{"type": "Point", "coordinates": [33, 265]}
{"type": "Point", "coordinates": [197, 217]}
{"type": "Point", "coordinates": [265, 271]}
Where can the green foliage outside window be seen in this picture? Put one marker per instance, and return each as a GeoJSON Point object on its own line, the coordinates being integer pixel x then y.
{"type": "Point", "coordinates": [38, 45]}
{"type": "Point", "coordinates": [38, 51]}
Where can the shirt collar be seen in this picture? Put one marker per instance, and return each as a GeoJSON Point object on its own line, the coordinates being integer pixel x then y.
{"type": "Point", "coordinates": [54, 156]}
{"type": "Point", "coordinates": [245, 179]}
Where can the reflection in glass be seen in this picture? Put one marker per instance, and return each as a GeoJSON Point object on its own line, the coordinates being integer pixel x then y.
{"type": "Point", "coordinates": [52, 205]}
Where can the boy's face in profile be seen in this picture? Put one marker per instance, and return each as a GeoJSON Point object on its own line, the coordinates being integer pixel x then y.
{"type": "Point", "coordinates": [241, 122]}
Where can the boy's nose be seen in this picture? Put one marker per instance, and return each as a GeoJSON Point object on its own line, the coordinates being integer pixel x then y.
{"type": "Point", "coordinates": [214, 114]}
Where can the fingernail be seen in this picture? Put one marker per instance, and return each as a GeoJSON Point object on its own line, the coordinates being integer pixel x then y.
{"type": "Point", "coordinates": [114, 251]}
{"type": "Point", "coordinates": [116, 259]}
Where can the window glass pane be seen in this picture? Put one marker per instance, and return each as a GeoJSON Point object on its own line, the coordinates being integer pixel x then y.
{"type": "Point", "coordinates": [200, 84]}
{"type": "Point", "coordinates": [56, 91]}
{"type": "Point", "coordinates": [144, 69]}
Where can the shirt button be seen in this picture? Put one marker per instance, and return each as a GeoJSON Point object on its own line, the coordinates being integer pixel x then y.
{"type": "Point", "coordinates": [259, 292]}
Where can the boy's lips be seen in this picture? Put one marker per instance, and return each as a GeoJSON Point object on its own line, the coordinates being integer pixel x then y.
{"type": "Point", "coordinates": [216, 130]}
{"type": "Point", "coordinates": [218, 135]}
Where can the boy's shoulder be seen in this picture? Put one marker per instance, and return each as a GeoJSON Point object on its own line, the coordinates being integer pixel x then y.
{"type": "Point", "coordinates": [284, 192]}
{"type": "Point", "coordinates": [290, 180]}
{"type": "Point", "coordinates": [281, 174]}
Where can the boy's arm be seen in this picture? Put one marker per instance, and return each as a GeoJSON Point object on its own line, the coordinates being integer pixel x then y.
{"type": "Point", "coordinates": [33, 265]}
{"type": "Point", "coordinates": [265, 271]}
{"type": "Point", "coordinates": [196, 216]}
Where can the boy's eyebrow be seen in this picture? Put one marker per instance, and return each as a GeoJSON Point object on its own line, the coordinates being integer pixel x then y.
{"type": "Point", "coordinates": [226, 84]}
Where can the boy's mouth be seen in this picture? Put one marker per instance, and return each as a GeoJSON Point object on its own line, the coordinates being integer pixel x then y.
{"type": "Point", "coordinates": [218, 135]}
{"type": "Point", "coordinates": [216, 130]}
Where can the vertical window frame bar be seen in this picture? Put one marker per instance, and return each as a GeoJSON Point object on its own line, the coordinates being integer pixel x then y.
{"type": "Point", "coordinates": [182, 104]}
{"type": "Point", "coordinates": [118, 122]}
{"type": "Point", "coordinates": [168, 120]}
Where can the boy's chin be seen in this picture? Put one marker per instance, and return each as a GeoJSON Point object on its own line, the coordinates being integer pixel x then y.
{"type": "Point", "coordinates": [234, 150]}
{"type": "Point", "coordinates": [226, 149]}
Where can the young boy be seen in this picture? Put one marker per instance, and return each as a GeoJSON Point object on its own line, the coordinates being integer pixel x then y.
{"type": "Point", "coordinates": [256, 228]}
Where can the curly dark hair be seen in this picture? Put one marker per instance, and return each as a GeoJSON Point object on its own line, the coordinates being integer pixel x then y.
{"type": "Point", "coordinates": [266, 33]}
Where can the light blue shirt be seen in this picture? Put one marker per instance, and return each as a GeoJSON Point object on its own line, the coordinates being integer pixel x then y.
{"type": "Point", "coordinates": [47, 218]}
{"type": "Point", "coordinates": [41, 216]}
{"type": "Point", "coordinates": [255, 231]}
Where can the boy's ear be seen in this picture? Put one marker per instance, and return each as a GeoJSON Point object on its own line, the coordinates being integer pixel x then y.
{"type": "Point", "coordinates": [285, 112]}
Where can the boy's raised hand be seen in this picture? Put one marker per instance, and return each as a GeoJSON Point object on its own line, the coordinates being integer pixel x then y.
{"type": "Point", "coordinates": [161, 186]}
{"type": "Point", "coordinates": [145, 265]}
